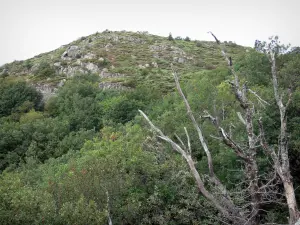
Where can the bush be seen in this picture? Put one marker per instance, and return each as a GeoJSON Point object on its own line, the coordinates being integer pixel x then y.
{"type": "Point", "coordinates": [187, 38]}
{"type": "Point", "coordinates": [18, 96]}
{"type": "Point", "coordinates": [44, 70]}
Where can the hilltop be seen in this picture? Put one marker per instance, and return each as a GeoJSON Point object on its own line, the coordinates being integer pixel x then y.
{"type": "Point", "coordinates": [122, 60]}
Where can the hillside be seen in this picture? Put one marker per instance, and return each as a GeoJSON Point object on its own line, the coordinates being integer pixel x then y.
{"type": "Point", "coordinates": [121, 59]}
{"type": "Point", "coordinates": [101, 131]}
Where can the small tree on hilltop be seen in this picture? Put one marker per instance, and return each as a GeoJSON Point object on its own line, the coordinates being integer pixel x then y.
{"type": "Point", "coordinates": [170, 37]}
{"type": "Point", "coordinates": [187, 38]}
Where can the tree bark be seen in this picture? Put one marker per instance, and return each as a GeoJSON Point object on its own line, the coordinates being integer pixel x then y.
{"type": "Point", "coordinates": [283, 168]}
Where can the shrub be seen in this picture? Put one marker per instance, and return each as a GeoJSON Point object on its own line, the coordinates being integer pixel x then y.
{"type": "Point", "coordinates": [187, 38]}
{"type": "Point", "coordinates": [170, 37]}
{"type": "Point", "coordinates": [44, 70]}
{"type": "Point", "coordinates": [16, 97]}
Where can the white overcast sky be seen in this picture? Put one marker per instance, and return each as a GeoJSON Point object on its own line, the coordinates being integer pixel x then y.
{"type": "Point", "coordinates": [31, 27]}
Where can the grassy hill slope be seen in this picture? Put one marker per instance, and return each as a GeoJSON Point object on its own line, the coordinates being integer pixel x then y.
{"type": "Point", "coordinates": [121, 59]}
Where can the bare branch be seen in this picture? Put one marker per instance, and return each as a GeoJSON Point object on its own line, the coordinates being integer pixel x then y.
{"type": "Point", "coordinates": [258, 97]}
{"type": "Point", "coordinates": [188, 140]}
{"type": "Point", "coordinates": [181, 142]}
{"type": "Point", "coordinates": [216, 39]}
{"type": "Point", "coordinates": [226, 138]}
{"type": "Point", "coordinates": [225, 210]}
{"type": "Point", "coordinates": [195, 124]}
{"type": "Point", "coordinates": [241, 118]}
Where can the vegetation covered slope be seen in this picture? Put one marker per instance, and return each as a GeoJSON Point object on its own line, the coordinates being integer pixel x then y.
{"type": "Point", "coordinates": [120, 57]}
{"type": "Point", "coordinates": [84, 155]}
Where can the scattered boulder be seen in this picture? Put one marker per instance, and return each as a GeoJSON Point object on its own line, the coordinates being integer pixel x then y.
{"type": "Point", "coordinates": [61, 83]}
{"type": "Point", "coordinates": [161, 47]}
{"type": "Point", "coordinates": [106, 74]}
{"type": "Point", "coordinates": [108, 46]}
{"type": "Point", "coordinates": [4, 73]}
{"type": "Point", "coordinates": [71, 71]}
{"type": "Point", "coordinates": [181, 60]}
{"type": "Point", "coordinates": [92, 67]}
{"type": "Point", "coordinates": [57, 64]}
{"type": "Point", "coordinates": [154, 64]}
{"type": "Point", "coordinates": [89, 56]}
{"type": "Point", "coordinates": [47, 90]}
{"type": "Point", "coordinates": [73, 52]}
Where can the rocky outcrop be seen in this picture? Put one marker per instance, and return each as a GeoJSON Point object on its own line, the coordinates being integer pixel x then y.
{"type": "Point", "coordinates": [76, 67]}
{"type": "Point", "coordinates": [89, 56]}
{"type": "Point", "coordinates": [47, 90]}
{"type": "Point", "coordinates": [92, 67]}
{"type": "Point", "coordinates": [106, 74]}
{"type": "Point", "coordinates": [72, 52]}
{"type": "Point", "coordinates": [147, 65]}
{"type": "Point", "coordinates": [4, 73]}
{"type": "Point", "coordinates": [70, 71]}
{"type": "Point", "coordinates": [165, 51]}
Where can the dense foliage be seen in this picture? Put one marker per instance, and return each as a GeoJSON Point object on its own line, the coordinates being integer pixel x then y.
{"type": "Point", "coordinates": [86, 154]}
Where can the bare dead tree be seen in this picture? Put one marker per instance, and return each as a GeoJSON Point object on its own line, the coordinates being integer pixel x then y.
{"type": "Point", "coordinates": [281, 159]}
{"type": "Point", "coordinates": [258, 190]}
{"type": "Point", "coordinates": [226, 206]}
{"type": "Point", "coordinates": [220, 199]}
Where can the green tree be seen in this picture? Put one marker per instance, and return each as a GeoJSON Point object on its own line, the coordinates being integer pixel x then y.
{"type": "Point", "coordinates": [17, 96]}
{"type": "Point", "coordinates": [170, 37]}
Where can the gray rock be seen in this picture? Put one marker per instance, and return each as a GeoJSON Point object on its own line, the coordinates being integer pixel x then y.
{"type": "Point", "coordinates": [155, 55]}
{"type": "Point", "coordinates": [71, 71]}
{"type": "Point", "coordinates": [79, 63]}
{"type": "Point", "coordinates": [109, 85]}
{"type": "Point", "coordinates": [57, 64]}
{"type": "Point", "coordinates": [181, 60]}
{"type": "Point", "coordinates": [108, 46]}
{"type": "Point", "coordinates": [158, 47]}
{"type": "Point", "coordinates": [89, 56]}
{"type": "Point", "coordinates": [105, 74]}
{"type": "Point", "coordinates": [177, 51]}
{"type": "Point", "coordinates": [4, 73]}
{"type": "Point", "coordinates": [154, 64]}
{"type": "Point", "coordinates": [92, 67]}
{"type": "Point", "coordinates": [61, 83]}
{"type": "Point", "coordinates": [73, 52]}
{"type": "Point", "coordinates": [47, 90]}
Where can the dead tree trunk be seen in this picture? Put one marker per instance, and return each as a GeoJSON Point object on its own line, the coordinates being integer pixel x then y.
{"type": "Point", "coordinates": [280, 160]}
{"type": "Point", "coordinates": [283, 167]}
{"type": "Point", "coordinates": [219, 196]}
{"type": "Point", "coordinates": [224, 204]}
